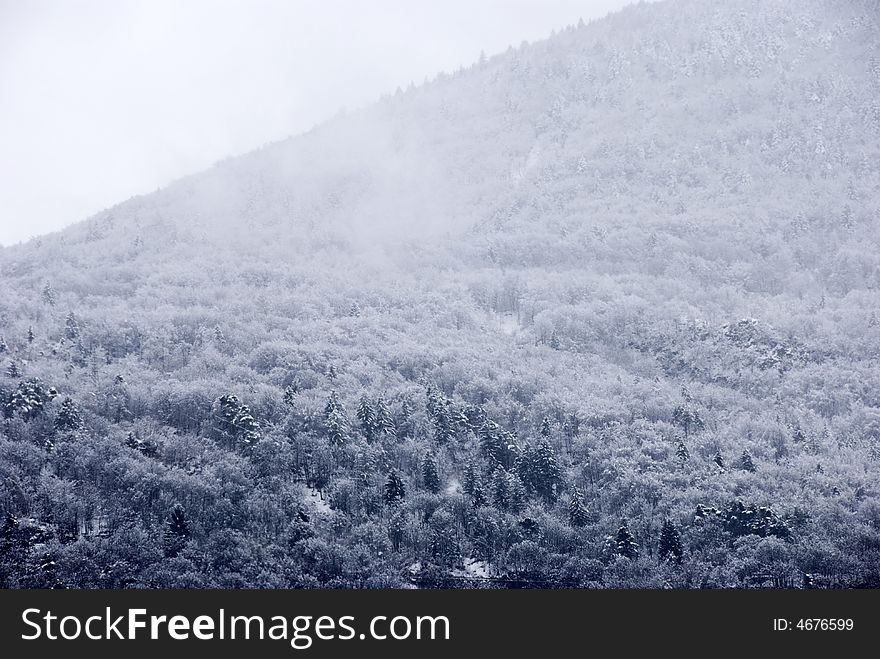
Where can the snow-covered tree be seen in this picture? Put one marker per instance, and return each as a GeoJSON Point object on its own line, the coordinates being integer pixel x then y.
{"type": "Point", "coordinates": [68, 417]}
{"type": "Point", "coordinates": [746, 463]}
{"type": "Point", "coordinates": [335, 421]}
{"type": "Point", "coordinates": [689, 419]}
{"type": "Point", "coordinates": [48, 294]}
{"type": "Point", "coordinates": [28, 400]}
{"type": "Point", "coordinates": [430, 477]}
{"type": "Point", "coordinates": [539, 470]}
{"type": "Point", "coordinates": [501, 489]}
{"type": "Point", "coordinates": [471, 476]}
{"type": "Point", "coordinates": [384, 421]}
{"type": "Point", "coordinates": [577, 510]}
{"type": "Point", "coordinates": [176, 531]}
{"type": "Point", "coordinates": [367, 418]}
{"type": "Point", "coordinates": [625, 543]}
{"type": "Point", "coordinates": [670, 543]}
{"type": "Point", "coordinates": [517, 495]}
{"type": "Point", "coordinates": [395, 489]}
{"type": "Point", "coordinates": [682, 453]}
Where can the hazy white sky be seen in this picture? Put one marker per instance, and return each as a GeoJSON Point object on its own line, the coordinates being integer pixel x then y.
{"type": "Point", "coordinates": [104, 99]}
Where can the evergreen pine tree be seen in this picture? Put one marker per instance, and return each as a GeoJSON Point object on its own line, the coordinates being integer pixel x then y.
{"type": "Point", "coordinates": [517, 495]}
{"type": "Point", "coordinates": [491, 443]}
{"type": "Point", "coordinates": [682, 452]}
{"type": "Point", "coordinates": [470, 478]}
{"type": "Point", "coordinates": [68, 417]}
{"type": "Point", "coordinates": [501, 489]}
{"type": "Point", "coordinates": [478, 494]}
{"type": "Point", "coordinates": [225, 410]}
{"type": "Point", "coordinates": [290, 392]}
{"type": "Point", "coordinates": [396, 526]}
{"type": "Point", "coordinates": [432, 400]}
{"type": "Point", "coordinates": [384, 420]}
{"type": "Point", "coordinates": [429, 474]}
{"type": "Point", "coordinates": [4, 347]}
{"type": "Point", "coordinates": [48, 294]}
{"type": "Point", "coordinates": [246, 426]}
{"type": "Point", "coordinates": [670, 543]}
{"type": "Point", "coordinates": [48, 571]}
{"type": "Point", "coordinates": [719, 460]}
{"type": "Point", "coordinates": [28, 400]}
{"type": "Point", "coordinates": [367, 418]}
{"type": "Point", "coordinates": [530, 528]}
{"type": "Point", "coordinates": [404, 423]}
{"type": "Point", "coordinates": [459, 418]}
{"type": "Point", "coordinates": [176, 531]}
{"type": "Point", "coordinates": [746, 462]}
{"type": "Point", "coordinates": [546, 428]}
{"type": "Point", "coordinates": [443, 428]}
{"type": "Point", "coordinates": [395, 490]}
{"type": "Point", "coordinates": [476, 418]}
{"type": "Point", "coordinates": [626, 544]}
{"type": "Point", "coordinates": [149, 448]}
{"type": "Point", "coordinates": [577, 511]}
{"type": "Point", "coordinates": [132, 441]}
{"type": "Point", "coordinates": [334, 418]}
{"type": "Point", "coordinates": [687, 418]}
{"type": "Point", "coordinates": [236, 423]}
{"type": "Point", "coordinates": [12, 370]}
{"type": "Point", "coordinates": [539, 470]}
{"type": "Point", "coordinates": [30, 335]}
{"type": "Point", "coordinates": [441, 415]}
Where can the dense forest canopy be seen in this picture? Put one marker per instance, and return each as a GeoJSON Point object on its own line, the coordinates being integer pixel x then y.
{"type": "Point", "coordinates": [599, 311]}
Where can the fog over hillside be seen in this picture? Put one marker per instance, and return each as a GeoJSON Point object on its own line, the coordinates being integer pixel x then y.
{"type": "Point", "coordinates": [599, 311]}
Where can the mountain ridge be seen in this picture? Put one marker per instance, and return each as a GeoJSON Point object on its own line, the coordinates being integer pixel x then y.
{"type": "Point", "coordinates": [554, 50]}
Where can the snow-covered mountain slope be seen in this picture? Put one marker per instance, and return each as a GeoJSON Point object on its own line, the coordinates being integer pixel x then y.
{"type": "Point", "coordinates": [646, 247]}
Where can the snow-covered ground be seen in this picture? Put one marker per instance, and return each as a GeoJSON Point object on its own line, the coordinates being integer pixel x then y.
{"type": "Point", "coordinates": [506, 323]}
{"type": "Point", "coordinates": [473, 568]}
{"type": "Point", "coordinates": [313, 500]}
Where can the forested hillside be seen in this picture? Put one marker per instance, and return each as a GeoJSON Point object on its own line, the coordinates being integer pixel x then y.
{"type": "Point", "coordinates": [600, 311]}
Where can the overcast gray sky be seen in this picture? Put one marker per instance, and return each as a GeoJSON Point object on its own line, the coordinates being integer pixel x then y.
{"type": "Point", "coordinates": [104, 99]}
